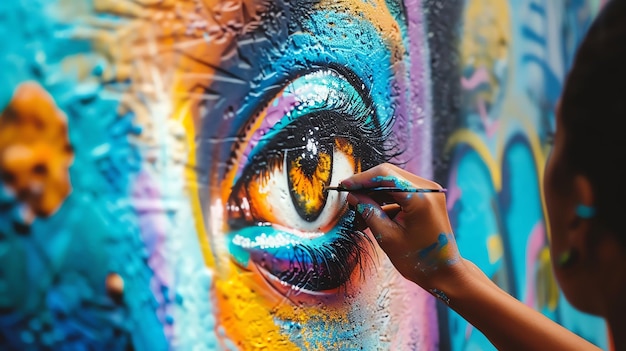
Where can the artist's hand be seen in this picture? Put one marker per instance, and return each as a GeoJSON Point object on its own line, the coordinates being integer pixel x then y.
{"type": "Point", "coordinates": [416, 235]}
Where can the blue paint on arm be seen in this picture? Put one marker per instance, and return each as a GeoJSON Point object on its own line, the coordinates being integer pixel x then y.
{"type": "Point", "coordinates": [442, 242]}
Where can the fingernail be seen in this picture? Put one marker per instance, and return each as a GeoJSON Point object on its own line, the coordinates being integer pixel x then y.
{"type": "Point", "coordinates": [348, 184]}
{"type": "Point", "coordinates": [365, 210]}
{"type": "Point", "coordinates": [352, 200]}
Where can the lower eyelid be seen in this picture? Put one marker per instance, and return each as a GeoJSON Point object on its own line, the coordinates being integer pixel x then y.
{"type": "Point", "coordinates": [293, 260]}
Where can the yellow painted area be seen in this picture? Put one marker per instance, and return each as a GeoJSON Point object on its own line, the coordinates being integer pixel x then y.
{"type": "Point", "coordinates": [486, 32]}
{"type": "Point", "coordinates": [547, 285]}
{"type": "Point", "coordinates": [486, 39]}
{"type": "Point", "coordinates": [374, 12]}
{"type": "Point", "coordinates": [494, 248]}
{"type": "Point", "coordinates": [466, 136]}
{"type": "Point", "coordinates": [191, 178]}
{"type": "Point", "coordinates": [248, 309]}
{"type": "Point", "coordinates": [246, 319]}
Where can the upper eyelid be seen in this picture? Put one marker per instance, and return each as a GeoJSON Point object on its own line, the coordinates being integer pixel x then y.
{"type": "Point", "coordinates": [253, 147]}
{"type": "Point", "coordinates": [261, 157]}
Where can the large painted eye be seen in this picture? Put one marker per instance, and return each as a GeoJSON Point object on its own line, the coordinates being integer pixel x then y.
{"type": "Point", "coordinates": [322, 130]}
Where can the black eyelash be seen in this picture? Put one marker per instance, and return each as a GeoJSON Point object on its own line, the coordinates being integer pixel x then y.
{"type": "Point", "coordinates": [372, 143]}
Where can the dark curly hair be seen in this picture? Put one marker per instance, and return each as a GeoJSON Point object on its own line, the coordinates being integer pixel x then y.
{"type": "Point", "coordinates": [593, 115]}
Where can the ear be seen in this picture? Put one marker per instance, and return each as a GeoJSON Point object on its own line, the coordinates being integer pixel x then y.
{"type": "Point", "coordinates": [579, 224]}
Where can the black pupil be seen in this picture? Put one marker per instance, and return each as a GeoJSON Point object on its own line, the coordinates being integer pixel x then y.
{"type": "Point", "coordinates": [310, 159]}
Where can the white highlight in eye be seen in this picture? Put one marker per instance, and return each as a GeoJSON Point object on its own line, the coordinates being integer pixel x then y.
{"type": "Point", "coordinates": [278, 200]}
{"type": "Point", "coordinates": [264, 241]}
{"type": "Point", "coordinates": [310, 146]}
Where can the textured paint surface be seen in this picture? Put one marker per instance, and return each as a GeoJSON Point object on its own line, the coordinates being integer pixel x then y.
{"type": "Point", "coordinates": [162, 165]}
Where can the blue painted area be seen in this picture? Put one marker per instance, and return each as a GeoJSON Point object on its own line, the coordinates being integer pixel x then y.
{"type": "Point", "coordinates": [395, 181]}
{"type": "Point", "coordinates": [442, 241]}
{"type": "Point", "coordinates": [474, 219]}
{"type": "Point", "coordinates": [362, 208]}
{"type": "Point", "coordinates": [521, 209]}
{"type": "Point", "coordinates": [319, 40]}
{"type": "Point", "coordinates": [514, 216]}
{"type": "Point", "coordinates": [53, 272]}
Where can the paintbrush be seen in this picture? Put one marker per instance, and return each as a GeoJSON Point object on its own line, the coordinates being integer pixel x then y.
{"type": "Point", "coordinates": [388, 189]}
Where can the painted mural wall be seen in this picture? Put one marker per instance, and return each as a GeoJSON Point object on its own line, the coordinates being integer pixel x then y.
{"type": "Point", "coordinates": [512, 63]}
{"type": "Point", "coordinates": [163, 164]}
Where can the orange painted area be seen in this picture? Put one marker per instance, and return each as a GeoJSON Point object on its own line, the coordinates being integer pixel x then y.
{"type": "Point", "coordinates": [258, 192]}
{"type": "Point", "coordinates": [229, 179]}
{"type": "Point", "coordinates": [35, 151]}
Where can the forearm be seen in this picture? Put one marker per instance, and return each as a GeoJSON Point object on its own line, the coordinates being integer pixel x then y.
{"type": "Point", "coordinates": [505, 321]}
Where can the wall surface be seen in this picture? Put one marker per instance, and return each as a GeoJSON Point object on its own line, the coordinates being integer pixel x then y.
{"type": "Point", "coordinates": [163, 164]}
{"type": "Point", "coordinates": [513, 59]}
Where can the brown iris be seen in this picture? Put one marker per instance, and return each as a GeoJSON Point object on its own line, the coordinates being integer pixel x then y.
{"type": "Point", "coordinates": [309, 172]}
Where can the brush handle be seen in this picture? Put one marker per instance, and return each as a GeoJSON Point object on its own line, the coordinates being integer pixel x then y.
{"type": "Point", "coordinates": [389, 189]}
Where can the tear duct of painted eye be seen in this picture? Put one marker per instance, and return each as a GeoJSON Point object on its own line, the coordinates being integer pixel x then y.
{"type": "Point", "coordinates": [308, 173]}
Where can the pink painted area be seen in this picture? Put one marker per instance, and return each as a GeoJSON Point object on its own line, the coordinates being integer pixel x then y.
{"type": "Point", "coordinates": [490, 126]}
{"type": "Point", "coordinates": [468, 331]}
{"type": "Point", "coordinates": [419, 321]}
{"type": "Point", "coordinates": [454, 191]}
{"type": "Point", "coordinates": [415, 99]}
{"type": "Point", "coordinates": [536, 242]}
{"type": "Point", "coordinates": [477, 78]}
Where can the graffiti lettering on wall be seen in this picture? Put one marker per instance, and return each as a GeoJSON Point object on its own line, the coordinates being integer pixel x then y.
{"type": "Point", "coordinates": [163, 166]}
{"type": "Point", "coordinates": [513, 61]}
